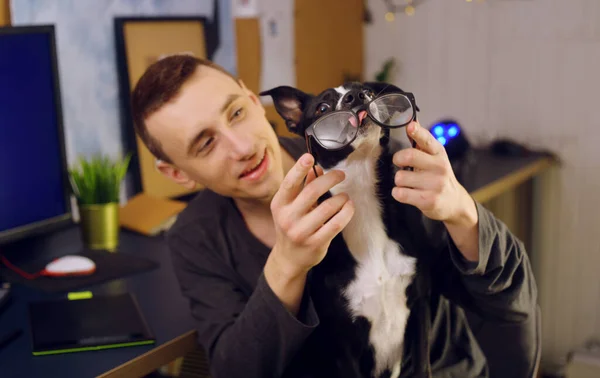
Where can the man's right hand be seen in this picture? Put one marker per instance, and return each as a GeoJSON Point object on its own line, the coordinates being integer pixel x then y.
{"type": "Point", "coordinates": [304, 230]}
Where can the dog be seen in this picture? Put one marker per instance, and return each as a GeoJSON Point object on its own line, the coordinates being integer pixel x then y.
{"type": "Point", "coordinates": [372, 290]}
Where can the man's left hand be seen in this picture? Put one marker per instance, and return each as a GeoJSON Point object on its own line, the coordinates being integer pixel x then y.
{"type": "Point", "coordinates": [433, 188]}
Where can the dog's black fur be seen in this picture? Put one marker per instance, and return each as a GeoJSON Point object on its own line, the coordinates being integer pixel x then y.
{"type": "Point", "coordinates": [340, 346]}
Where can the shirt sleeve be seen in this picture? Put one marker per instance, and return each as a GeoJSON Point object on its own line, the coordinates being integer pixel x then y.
{"type": "Point", "coordinates": [500, 285]}
{"type": "Point", "coordinates": [243, 336]}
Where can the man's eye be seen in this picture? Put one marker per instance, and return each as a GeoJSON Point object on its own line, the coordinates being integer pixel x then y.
{"type": "Point", "coordinates": [237, 113]}
{"type": "Point", "coordinates": [204, 146]}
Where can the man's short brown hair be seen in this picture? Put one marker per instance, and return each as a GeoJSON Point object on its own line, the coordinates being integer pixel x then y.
{"type": "Point", "coordinates": [161, 83]}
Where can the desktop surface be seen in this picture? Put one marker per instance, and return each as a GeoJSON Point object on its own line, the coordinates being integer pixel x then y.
{"type": "Point", "coordinates": [156, 291]}
{"type": "Point", "coordinates": [488, 168]}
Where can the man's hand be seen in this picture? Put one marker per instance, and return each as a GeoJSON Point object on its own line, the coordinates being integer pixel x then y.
{"type": "Point", "coordinates": [304, 230]}
{"type": "Point", "coordinates": [433, 188]}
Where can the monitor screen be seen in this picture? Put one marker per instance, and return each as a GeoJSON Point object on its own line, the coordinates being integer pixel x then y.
{"type": "Point", "coordinates": [33, 190]}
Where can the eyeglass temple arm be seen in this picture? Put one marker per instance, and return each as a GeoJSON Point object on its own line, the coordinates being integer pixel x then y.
{"type": "Point", "coordinates": [310, 152]}
{"type": "Point", "coordinates": [414, 145]}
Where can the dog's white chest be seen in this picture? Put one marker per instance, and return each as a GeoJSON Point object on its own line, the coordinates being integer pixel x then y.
{"type": "Point", "coordinates": [378, 292]}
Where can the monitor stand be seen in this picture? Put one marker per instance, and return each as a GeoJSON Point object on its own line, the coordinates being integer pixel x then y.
{"type": "Point", "coordinates": [4, 295]}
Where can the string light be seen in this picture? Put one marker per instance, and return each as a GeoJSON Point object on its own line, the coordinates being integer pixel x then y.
{"type": "Point", "coordinates": [400, 6]}
{"type": "Point", "coordinates": [408, 7]}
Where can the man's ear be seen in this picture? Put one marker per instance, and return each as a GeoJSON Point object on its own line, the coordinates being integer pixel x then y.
{"type": "Point", "coordinates": [289, 103]}
{"type": "Point", "coordinates": [175, 174]}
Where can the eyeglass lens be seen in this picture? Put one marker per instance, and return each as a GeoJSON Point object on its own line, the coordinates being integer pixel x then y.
{"type": "Point", "coordinates": [392, 110]}
{"type": "Point", "coordinates": [336, 130]}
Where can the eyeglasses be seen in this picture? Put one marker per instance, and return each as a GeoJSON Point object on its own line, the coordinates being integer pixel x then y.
{"type": "Point", "coordinates": [339, 128]}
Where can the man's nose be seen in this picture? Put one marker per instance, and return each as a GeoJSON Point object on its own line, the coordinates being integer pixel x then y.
{"type": "Point", "coordinates": [241, 145]}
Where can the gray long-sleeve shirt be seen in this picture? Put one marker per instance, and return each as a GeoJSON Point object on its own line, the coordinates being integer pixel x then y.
{"type": "Point", "coordinates": [485, 328]}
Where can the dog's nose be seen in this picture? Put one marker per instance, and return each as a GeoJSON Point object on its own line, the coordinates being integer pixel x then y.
{"type": "Point", "coordinates": [354, 98]}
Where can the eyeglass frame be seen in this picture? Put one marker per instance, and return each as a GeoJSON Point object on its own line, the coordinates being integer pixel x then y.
{"type": "Point", "coordinates": [310, 133]}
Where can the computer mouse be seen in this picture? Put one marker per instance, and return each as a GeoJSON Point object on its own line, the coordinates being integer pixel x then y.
{"type": "Point", "coordinates": [70, 265]}
{"type": "Point", "coordinates": [507, 147]}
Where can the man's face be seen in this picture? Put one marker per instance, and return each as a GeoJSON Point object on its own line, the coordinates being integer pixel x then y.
{"type": "Point", "coordinates": [216, 134]}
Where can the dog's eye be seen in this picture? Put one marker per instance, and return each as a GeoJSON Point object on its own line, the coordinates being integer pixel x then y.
{"type": "Point", "coordinates": [322, 108]}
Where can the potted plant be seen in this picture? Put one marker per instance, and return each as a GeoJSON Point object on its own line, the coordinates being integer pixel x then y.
{"type": "Point", "coordinates": [385, 75]}
{"type": "Point", "coordinates": [96, 184]}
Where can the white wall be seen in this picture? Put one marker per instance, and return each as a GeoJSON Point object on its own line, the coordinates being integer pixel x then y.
{"type": "Point", "coordinates": [528, 69]}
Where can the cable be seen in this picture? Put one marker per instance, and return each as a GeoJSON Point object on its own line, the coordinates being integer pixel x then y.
{"type": "Point", "coordinates": [20, 272]}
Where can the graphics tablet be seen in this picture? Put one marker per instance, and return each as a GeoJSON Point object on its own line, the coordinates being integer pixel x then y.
{"type": "Point", "coordinates": [98, 322]}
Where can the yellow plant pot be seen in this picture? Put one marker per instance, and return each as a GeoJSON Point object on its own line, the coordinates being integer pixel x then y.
{"type": "Point", "coordinates": [100, 226]}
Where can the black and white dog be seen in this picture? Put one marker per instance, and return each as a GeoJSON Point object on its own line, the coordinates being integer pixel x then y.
{"type": "Point", "coordinates": [372, 290]}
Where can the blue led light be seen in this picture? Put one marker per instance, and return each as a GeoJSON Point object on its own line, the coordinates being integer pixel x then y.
{"type": "Point", "coordinates": [438, 130]}
{"type": "Point", "coordinates": [452, 131]}
{"type": "Point", "coordinates": [442, 140]}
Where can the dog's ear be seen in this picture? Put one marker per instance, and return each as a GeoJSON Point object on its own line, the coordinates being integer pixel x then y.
{"type": "Point", "coordinates": [289, 103]}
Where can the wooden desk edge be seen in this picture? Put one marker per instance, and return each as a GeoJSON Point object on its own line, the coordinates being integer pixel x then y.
{"type": "Point", "coordinates": [155, 358]}
{"type": "Point", "coordinates": [516, 178]}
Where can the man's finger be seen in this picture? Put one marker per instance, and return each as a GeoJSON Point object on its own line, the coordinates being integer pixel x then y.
{"type": "Point", "coordinates": [423, 138]}
{"type": "Point", "coordinates": [311, 175]}
{"type": "Point", "coordinates": [311, 222]}
{"type": "Point", "coordinates": [311, 193]}
{"type": "Point", "coordinates": [335, 225]}
{"type": "Point", "coordinates": [417, 180]}
{"type": "Point", "coordinates": [319, 186]}
{"type": "Point", "coordinates": [421, 199]}
{"type": "Point", "coordinates": [293, 180]}
{"type": "Point", "coordinates": [412, 157]}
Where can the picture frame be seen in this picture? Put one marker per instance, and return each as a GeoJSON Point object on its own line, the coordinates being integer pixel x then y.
{"type": "Point", "coordinates": [140, 41]}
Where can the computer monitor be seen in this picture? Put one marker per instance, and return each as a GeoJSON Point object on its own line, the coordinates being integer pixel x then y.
{"type": "Point", "coordinates": [34, 184]}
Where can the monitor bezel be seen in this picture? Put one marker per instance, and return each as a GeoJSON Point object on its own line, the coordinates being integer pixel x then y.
{"type": "Point", "coordinates": [64, 220]}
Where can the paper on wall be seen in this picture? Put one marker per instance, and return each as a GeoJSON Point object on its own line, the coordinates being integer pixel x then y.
{"type": "Point", "coordinates": [244, 8]}
{"type": "Point", "coordinates": [277, 38]}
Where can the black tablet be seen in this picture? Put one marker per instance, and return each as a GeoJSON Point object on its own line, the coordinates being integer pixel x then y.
{"type": "Point", "coordinates": [89, 323]}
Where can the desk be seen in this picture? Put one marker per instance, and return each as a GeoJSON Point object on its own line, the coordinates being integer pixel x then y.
{"type": "Point", "coordinates": [493, 175]}
{"type": "Point", "coordinates": [157, 292]}
{"type": "Point", "coordinates": [159, 297]}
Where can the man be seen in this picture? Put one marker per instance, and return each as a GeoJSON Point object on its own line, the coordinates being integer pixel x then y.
{"type": "Point", "coordinates": [244, 245]}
